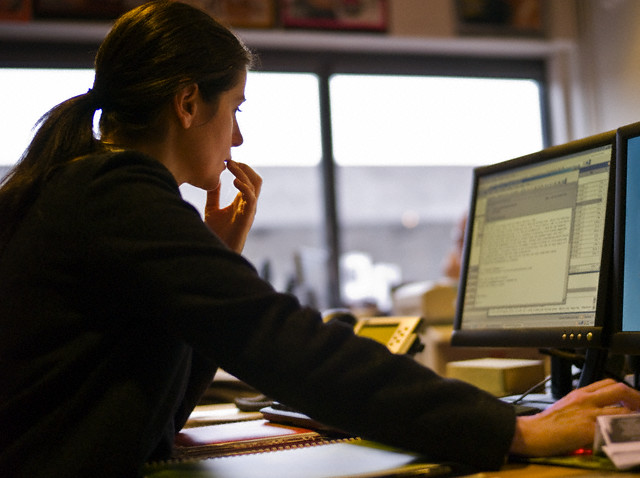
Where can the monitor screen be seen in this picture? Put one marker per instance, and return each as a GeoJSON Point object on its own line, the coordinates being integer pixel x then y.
{"type": "Point", "coordinates": [537, 249]}
{"type": "Point", "coordinates": [625, 334]}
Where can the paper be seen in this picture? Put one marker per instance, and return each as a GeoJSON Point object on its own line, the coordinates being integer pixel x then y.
{"type": "Point", "coordinates": [619, 437]}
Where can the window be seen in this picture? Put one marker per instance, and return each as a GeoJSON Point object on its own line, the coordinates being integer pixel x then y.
{"type": "Point", "coordinates": [280, 124]}
{"type": "Point", "coordinates": [366, 158]}
{"type": "Point", "coordinates": [28, 93]}
{"type": "Point", "coordinates": [385, 120]}
{"type": "Point", "coordinates": [281, 141]}
{"type": "Point", "coordinates": [405, 146]}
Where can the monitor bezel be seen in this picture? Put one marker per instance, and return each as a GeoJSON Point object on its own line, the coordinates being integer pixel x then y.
{"type": "Point", "coordinates": [620, 342]}
{"type": "Point", "coordinates": [579, 337]}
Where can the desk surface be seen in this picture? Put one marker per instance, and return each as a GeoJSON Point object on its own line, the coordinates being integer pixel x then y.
{"type": "Point", "coordinates": [260, 463]}
{"type": "Point", "coordinates": [544, 471]}
{"type": "Point", "coordinates": [509, 471]}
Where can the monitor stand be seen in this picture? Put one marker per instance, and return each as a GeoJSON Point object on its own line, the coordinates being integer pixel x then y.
{"type": "Point", "coordinates": [594, 366]}
{"type": "Point", "coordinates": [634, 362]}
{"type": "Point", "coordinates": [562, 376]}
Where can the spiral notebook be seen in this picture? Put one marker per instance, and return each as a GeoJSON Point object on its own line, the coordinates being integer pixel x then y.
{"type": "Point", "coordinates": [353, 458]}
{"type": "Point", "coordinates": [261, 448]}
{"type": "Point", "coordinates": [254, 436]}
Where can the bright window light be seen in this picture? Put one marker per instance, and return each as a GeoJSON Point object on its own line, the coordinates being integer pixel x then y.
{"type": "Point", "coordinates": [442, 121]}
{"type": "Point", "coordinates": [28, 93]}
{"type": "Point", "coordinates": [377, 120]}
{"type": "Point", "coordinates": [273, 135]}
{"type": "Point", "coordinates": [280, 120]}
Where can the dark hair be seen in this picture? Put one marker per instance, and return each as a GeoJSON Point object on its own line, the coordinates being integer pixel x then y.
{"type": "Point", "coordinates": [150, 53]}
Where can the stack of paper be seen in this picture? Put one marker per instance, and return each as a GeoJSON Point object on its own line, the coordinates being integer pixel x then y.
{"type": "Point", "coordinates": [619, 437]}
{"type": "Point", "coordinates": [241, 437]}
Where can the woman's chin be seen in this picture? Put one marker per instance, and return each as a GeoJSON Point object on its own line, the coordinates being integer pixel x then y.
{"type": "Point", "coordinates": [208, 184]}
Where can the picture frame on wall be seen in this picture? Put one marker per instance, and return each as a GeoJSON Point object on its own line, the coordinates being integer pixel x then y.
{"type": "Point", "coordinates": [82, 9]}
{"type": "Point", "coordinates": [235, 13]}
{"type": "Point", "coordinates": [501, 17]}
{"type": "Point", "coordinates": [16, 10]}
{"type": "Point", "coordinates": [368, 15]}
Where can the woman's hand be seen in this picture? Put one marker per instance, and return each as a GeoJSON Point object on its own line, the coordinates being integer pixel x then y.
{"type": "Point", "coordinates": [569, 424]}
{"type": "Point", "coordinates": [232, 223]}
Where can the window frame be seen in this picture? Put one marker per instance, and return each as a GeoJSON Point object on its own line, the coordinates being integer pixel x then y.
{"type": "Point", "coordinates": [328, 62]}
{"type": "Point", "coordinates": [311, 57]}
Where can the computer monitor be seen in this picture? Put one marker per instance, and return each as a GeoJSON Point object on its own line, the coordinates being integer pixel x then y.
{"type": "Point", "coordinates": [538, 249]}
{"type": "Point", "coordinates": [625, 331]}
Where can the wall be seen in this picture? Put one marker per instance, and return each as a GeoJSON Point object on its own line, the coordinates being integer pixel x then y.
{"type": "Point", "coordinates": [609, 43]}
{"type": "Point", "coordinates": [418, 18]}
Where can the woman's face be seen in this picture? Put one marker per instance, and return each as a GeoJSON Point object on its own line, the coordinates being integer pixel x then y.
{"type": "Point", "coordinates": [215, 132]}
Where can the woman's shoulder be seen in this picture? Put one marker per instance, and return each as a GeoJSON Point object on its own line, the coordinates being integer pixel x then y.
{"type": "Point", "coordinates": [114, 162]}
{"type": "Point", "coordinates": [115, 176]}
{"type": "Point", "coordinates": [117, 167]}
{"type": "Point", "coordinates": [106, 187]}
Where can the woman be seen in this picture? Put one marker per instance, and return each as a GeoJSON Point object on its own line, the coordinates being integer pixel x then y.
{"type": "Point", "coordinates": [117, 304]}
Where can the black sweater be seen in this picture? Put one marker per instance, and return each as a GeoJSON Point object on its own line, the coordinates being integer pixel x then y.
{"type": "Point", "coordinates": [117, 305]}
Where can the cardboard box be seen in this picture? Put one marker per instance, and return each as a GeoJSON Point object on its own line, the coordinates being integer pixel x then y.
{"type": "Point", "coordinates": [438, 350]}
{"type": "Point", "coordinates": [499, 376]}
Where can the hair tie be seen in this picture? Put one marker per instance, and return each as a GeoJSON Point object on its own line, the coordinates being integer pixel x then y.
{"type": "Point", "coordinates": [96, 99]}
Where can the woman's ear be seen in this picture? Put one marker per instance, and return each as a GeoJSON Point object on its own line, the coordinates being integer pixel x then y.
{"type": "Point", "coordinates": [185, 104]}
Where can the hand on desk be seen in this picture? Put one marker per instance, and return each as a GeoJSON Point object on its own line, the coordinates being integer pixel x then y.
{"type": "Point", "coordinates": [570, 423]}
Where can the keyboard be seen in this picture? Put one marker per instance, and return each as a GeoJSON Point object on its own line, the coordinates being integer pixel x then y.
{"type": "Point", "coordinates": [280, 413]}
{"type": "Point", "coordinates": [530, 404]}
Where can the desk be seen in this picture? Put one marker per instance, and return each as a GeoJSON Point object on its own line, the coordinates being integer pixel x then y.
{"type": "Point", "coordinates": [544, 471]}
{"type": "Point", "coordinates": [509, 471]}
{"type": "Point", "coordinates": [318, 458]}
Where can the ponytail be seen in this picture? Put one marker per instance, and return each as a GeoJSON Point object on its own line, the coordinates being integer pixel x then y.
{"type": "Point", "coordinates": [63, 134]}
